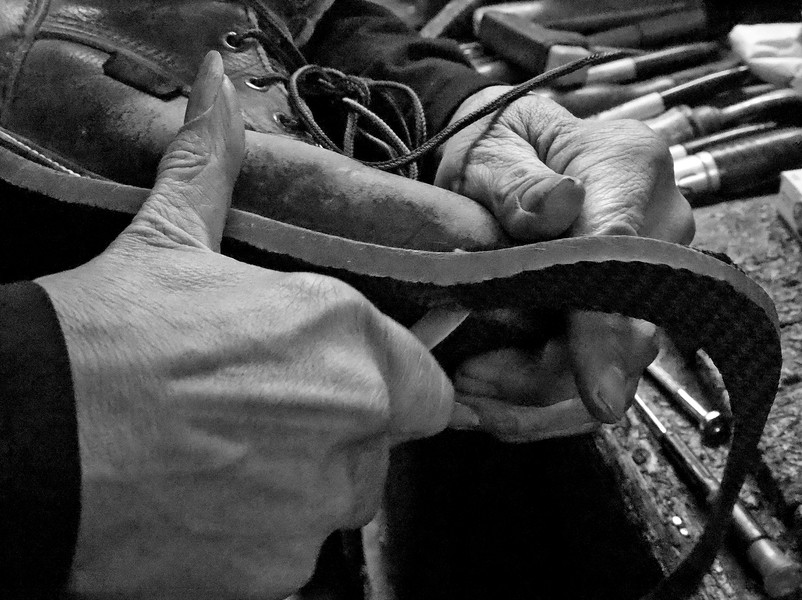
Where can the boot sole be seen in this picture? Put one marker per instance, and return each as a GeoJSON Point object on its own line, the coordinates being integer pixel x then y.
{"type": "Point", "coordinates": [701, 301]}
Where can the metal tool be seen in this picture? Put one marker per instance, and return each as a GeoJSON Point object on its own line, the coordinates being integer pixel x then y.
{"type": "Point", "coordinates": [431, 329]}
{"type": "Point", "coordinates": [739, 165]}
{"type": "Point", "coordinates": [789, 204]}
{"type": "Point", "coordinates": [682, 123]}
{"type": "Point", "coordinates": [654, 63]}
{"type": "Point", "coordinates": [437, 324]}
{"type": "Point", "coordinates": [714, 426]}
{"type": "Point", "coordinates": [781, 575]}
{"type": "Point", "coordinates": [721, 137]}
{"type": "Point", "coordinates": [597, 97]}
{"type": "Point", "coordinates": [655, 103]}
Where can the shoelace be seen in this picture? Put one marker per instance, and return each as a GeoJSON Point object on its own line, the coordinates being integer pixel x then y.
{"type": "Point", "coordinates": [405, 147]}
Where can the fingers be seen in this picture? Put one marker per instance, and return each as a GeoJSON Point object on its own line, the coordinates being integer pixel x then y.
{"type": "Point", "coordinates": [389, 375]}
{"type": "Point", "coordinates": [190, 199]}
{"type": "Point", "coordinates": [497, 165]}
{"type": "Point", "coordinates": [531, 201]}
{"type": "Point", "coordinates": [519, 424]}
{"type": "Point", "coordinates": [630, 187]}
{"type": "Point", "coordinates": [519, 377]}
{"type": "Point", "coordinates": [609, 354]}
{"type": "Point", "coordinates": [629, 181]}
{"type": "Point", "coordinates": [520, 396]}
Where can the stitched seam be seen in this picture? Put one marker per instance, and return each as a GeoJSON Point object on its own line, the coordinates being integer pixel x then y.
{"type": "Point", "coordinates": [45, 159]}
{"type": "Point", "coordinates": [34, 15]}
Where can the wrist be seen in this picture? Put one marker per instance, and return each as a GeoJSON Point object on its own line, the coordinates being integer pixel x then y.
{"type": "Point", "coordinates": [478, 99]}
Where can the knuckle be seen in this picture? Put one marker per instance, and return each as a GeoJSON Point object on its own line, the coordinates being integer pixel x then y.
{"type": "Point", "coordinates": [513, 184]}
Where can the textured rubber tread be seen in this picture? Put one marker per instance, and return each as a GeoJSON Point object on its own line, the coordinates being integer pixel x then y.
{"type": "Point", "coordinates": [700, 300]}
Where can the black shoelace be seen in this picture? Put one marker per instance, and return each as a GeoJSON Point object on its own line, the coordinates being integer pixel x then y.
{"type": "Point", "coordinates": [405, 147]}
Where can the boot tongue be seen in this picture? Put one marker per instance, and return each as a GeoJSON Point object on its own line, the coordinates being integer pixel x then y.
{"type": "Point", "coordinates": [297, 17]}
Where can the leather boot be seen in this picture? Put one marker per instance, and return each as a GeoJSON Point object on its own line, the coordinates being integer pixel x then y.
{"type": "Point", "coordinates": [98, 88]}
{"type": "Point", "coordinates": [93, 91]}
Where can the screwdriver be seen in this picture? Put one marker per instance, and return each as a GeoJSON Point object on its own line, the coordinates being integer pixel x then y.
{"type": "Point", "coordinates": [720, 137]}
{"type": "Point", "coordinates": [682, 123]}
{"type": "Point", "coordinates": [781, 575]}
{"type": "Point", "coordinates": [736, 166]}
{"type": "Point", "coordinates": [655, 103]}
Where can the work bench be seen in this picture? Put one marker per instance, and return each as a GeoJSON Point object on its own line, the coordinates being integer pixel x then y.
{"type": "Point", "coordinates": [602, 516]}
{"type": "Point", "coordinates": [750, 232]}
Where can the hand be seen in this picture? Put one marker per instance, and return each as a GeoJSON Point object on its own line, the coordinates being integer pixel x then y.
{"type": "Point", "coordinates": [545, 174]}
{"type": "Point", "coordinates": [229, 417]}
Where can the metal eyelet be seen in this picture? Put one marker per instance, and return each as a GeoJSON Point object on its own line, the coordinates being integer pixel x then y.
{"type": "Point", "coordinates": [256, 83]}
{"type": "Point", "coordinates": [233, 42]}
{"type": "Point", "coordinates": [287, 122]}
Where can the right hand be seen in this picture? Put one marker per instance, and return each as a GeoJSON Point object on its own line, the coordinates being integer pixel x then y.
{"type": "Point", "coordinates": [230, 418]}
{"type": "Point", "coordinates": [546, 174]}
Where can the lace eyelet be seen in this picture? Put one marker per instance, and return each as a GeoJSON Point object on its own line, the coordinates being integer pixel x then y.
{"type": "Point", "coordinates": [287, 122]}
{"type": "Point", "coordinates": [256, 83]}
{"type": "Point", "coordinates": [233, 42]}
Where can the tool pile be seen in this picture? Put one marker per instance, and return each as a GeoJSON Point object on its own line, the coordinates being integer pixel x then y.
{"type": "Point", "coordinates": [731, 133]}
{"type": "Point", "coordinates": [780, 575]}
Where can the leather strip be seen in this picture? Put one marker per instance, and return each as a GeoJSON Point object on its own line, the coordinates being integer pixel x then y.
{"type": "Point", "coordinates": [701, 302]}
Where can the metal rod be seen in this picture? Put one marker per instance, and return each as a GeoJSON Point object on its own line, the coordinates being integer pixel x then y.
{"type": "Point", "coordinates": [714, 426]}
{"type": "Point", "coordinates": [781, 575]}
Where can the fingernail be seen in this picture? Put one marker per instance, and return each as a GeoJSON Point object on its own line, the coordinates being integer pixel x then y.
{"type": "Point", "coordinates": [206, 86]}
{"type": "Point", "coordinates": [463, 417]}
{"type": "Point", "coordinates": [611, 394]}
{"type": "Point", "coordinates": [562, 192]}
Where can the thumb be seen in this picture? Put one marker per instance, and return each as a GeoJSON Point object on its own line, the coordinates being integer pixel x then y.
{"type": "Point", "coordinates": [421, 394]}
{"type": "Point", "coordinates": [190, 199]}
{"type": "Point", "coordinates": [609, 354]}
{"type": "Point", "coordinates": [495, 162]}
{"type": "Point", "coordinates": [503, 172]}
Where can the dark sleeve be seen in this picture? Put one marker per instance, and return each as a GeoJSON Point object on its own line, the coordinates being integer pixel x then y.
{"type": "Point", "coordinates": [39, 462]}
{"type": "Point", "coordinates": [362, 38]}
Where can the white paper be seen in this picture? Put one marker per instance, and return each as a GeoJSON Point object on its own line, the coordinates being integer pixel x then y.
{"type": "Point", "coordinates": [773, 51]}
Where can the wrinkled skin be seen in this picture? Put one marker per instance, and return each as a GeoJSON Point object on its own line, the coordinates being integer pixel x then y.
{"type": "Point", "coordinates": [229, 417]}
{"type": "Point", "coordinates": [545, 174]}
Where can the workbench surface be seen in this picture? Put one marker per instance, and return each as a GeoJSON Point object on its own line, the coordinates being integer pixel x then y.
{"type": "Point", "coordinates": [750, 232]}
{"type": "Point", "coordinates": [599, 517]}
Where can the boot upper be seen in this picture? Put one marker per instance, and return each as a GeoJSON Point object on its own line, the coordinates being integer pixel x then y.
{"type": "Point", "coordinates": [104, 82]}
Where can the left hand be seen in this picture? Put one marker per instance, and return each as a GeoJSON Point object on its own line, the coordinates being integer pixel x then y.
{"type": "Point", "coordinates": [546, 174]}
